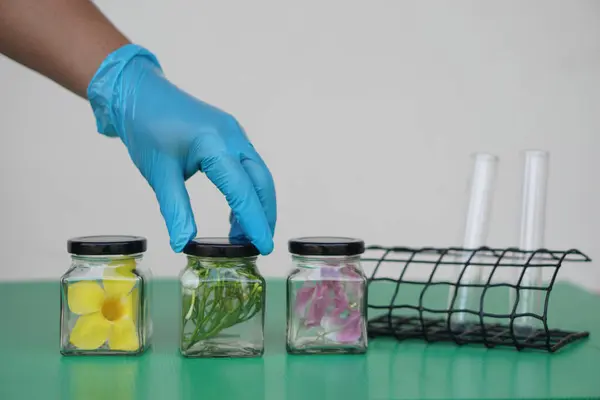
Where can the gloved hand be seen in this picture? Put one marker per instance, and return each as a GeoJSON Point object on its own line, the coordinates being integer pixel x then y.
{"type": "Point", "coordinates": [171, 135]}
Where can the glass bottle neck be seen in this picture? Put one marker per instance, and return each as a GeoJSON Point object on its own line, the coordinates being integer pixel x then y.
{"type": "Point", "coordinates": [216, 262]}
{"type": "Point", "coordinates": [325, 261]}
{"type": "Point", "coordinates": [104, 260]}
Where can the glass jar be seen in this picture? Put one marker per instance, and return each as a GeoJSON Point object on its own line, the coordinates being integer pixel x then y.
{"type": "Point", "coordinates": [326, 296]}
{"type": "Point", "coordinates": [222, 300]}
{"type": "Point", "coordinates": [105, 296]}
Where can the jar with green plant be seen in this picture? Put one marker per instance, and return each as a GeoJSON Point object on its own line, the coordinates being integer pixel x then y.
{"type": "Point", "coordinates": [222, 300]}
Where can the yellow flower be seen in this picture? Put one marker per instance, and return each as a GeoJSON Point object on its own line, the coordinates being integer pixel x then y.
{"type": "Point", "coordinates": [107, 312]}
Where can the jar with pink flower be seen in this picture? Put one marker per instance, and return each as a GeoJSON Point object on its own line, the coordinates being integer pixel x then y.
{"type": "Point", "coordinates": [326, 296]}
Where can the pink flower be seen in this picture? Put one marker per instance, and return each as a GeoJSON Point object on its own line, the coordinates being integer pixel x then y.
{"type": "Point", "coordinates": [344, 326]}
{"type": "Point", "coordinates": [312, 302]}
{"type": "Point", "coordinates": [351, 272]}
{"type": "Point", "coordinates": [327, 303]}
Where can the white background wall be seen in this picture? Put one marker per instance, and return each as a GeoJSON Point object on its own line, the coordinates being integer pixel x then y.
{"type": "Point", "coordinates": [365, 111]}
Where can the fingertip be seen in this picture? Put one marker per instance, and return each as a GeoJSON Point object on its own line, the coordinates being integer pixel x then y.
{"type": "Point", "coordinates": [179, 242]}
{"type": "Point", "coordinates": [174, 203]}
{"type": "Point", "coordinates": [177, 246]}
{"type": "Point", "coordinates": [257, 230]}
{"type": "Point", "coordinates": [181, 237]}
{"type": "Point", "coordinates": [265, 247]}
{"type": "Point", "coordinates": [248, 216]}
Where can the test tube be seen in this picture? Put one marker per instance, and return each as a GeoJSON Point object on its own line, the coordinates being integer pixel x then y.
{"type": "Point", "coordinates": [476, 229]}
{"type": "Point", "coordinates": [533, 226]}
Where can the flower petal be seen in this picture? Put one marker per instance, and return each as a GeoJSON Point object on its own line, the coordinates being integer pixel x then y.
{"type": "Point", "coordinates": [350, 271]}
{"type": "Point", "coordinates": [189, 279]}
{"type": "Point", "coordinates": [124, 264]}
{"type": "Point", "coordinates": [85, 297]}
{"type": "Point", "coordinates": [352, 330]}
{"type": "Point", "coordinates": [343, 327]}
{"type": "Point", "coordinates": [120, 278]}
{"type": "Point", "coordinates": [90, 331]}
{"type": "Point", "coordinates": [123, 335]}
{"type": "Point", "coordinates": [340, 299]}
{"type": "Point", "coordinates": [303, 296]}
{"type": "Point", "coordinates": [318, 305]}
{"type": "Point", "coordinates": [133, 303]}
{"type": "Point", "coordinates": [334, 320]}
{"type": "Point", "coordinates": [331, 272]}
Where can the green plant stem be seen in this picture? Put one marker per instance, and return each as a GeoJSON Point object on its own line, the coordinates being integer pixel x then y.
{"type": "Point", "coordinates": [206, 293]}
{"type": "Point", "coordinates": [213, 315]}
{"type": "Point", "coordinates": [224, 323]}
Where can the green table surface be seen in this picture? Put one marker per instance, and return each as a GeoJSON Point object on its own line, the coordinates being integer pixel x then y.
{"type": "Point", "coordinates": [31, 366]}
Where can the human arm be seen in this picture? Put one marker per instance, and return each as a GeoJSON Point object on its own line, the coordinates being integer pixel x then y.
{"type": "Point", "coordinates": [170, 135]}
{"type": "Point", "coordinates": [64, 40]}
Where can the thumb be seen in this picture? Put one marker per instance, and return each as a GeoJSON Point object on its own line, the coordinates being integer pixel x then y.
{"type": "Point", "coordinates": [169, 187]}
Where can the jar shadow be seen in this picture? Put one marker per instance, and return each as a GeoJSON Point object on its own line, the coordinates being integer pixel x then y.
{"type": "Point", "coordinates": [103, 377]}
{"type": "Point", "coordinates": [223, 378]}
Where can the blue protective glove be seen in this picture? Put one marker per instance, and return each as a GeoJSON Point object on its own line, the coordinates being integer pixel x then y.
{"type": "Point", "coordinates": [171, 135]}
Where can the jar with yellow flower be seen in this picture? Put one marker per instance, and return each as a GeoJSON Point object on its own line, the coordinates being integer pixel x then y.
{"type": "Point", "coordinates": [105, 297]}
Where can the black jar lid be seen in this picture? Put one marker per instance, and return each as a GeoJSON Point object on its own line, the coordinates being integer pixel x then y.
{"type": "Point", "coordinates": [326, 246]}
{"type": "Point", "coordinates": [220, 247]}
{"type": "Point", "coordinates": [109, 245]}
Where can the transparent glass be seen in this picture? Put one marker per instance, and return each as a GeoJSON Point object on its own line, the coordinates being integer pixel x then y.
{"type": "Point", "coordinates": [105, 306]}
{"type": "Point", "coordinates": [532, 230]}
{"type": "Point", "coordinates": [476, 228]}
{"type": "Point", "coordinates": [222, 308]}
{"type": "Point", "coordinates": [326, 306]}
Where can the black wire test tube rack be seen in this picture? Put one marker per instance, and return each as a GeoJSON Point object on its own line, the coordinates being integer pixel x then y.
{"type": "Point", "coordinates": [403, 320]}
